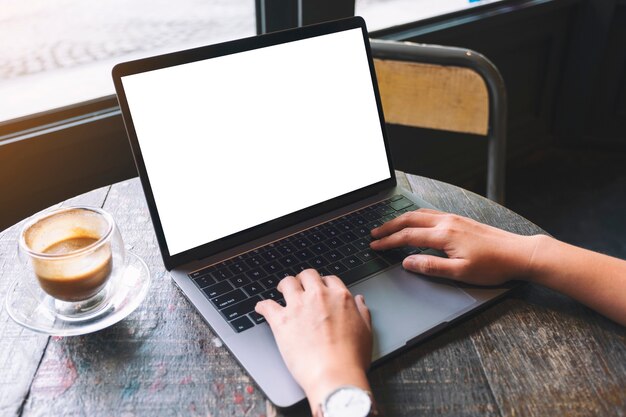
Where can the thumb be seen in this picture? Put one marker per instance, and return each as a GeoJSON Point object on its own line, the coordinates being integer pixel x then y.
{"type": "Point", "coordinates": [363, 310]}
{"type": "Point", "coordinates": [433, 265]}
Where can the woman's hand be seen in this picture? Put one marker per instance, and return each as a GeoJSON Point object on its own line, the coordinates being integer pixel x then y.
{"type": "Point", "coordinates": [477, 253]}
{"type": "Point", "coordinates": [324, 333]}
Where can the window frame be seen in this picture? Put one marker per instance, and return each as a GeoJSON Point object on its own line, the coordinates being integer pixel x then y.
{"type": "Point", "coordinates": [278, 14]}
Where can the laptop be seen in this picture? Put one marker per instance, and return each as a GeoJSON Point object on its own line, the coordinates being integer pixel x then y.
{"type": "Point", "coordinates": [264, 156]}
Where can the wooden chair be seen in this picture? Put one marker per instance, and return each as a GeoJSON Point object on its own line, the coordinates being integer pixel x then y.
{"type": "Point", "coordinates": [445, 88]}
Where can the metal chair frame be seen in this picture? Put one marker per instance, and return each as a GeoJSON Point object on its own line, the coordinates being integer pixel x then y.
{"type": "Point", "coordinates": [464, 58]}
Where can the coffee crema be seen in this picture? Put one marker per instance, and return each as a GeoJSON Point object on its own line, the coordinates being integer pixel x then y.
{"type": "Point", "coordinates": [74, 278]}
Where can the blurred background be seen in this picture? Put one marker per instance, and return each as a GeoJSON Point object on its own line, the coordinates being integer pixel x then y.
{"type": "Point", "coordinates": [563, 62]}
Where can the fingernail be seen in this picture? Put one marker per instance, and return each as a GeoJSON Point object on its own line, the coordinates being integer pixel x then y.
{"type": "Point", "coordinates": [409, 263]}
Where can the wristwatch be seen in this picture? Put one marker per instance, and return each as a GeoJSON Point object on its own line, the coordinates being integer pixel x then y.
{"type": "Point", "coordinates": [348, 401]}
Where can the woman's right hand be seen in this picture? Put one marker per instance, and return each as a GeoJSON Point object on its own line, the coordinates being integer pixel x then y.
{"type": "Point", "coordinates": [477, 253]}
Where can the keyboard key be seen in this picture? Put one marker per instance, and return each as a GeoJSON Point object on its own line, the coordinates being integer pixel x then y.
{"type": "Point", "coordinates": [331, 231]}
{"type": "Point", "coordinates": [288, 261]}
{"type": "Point", "coordinates": [220, 288]}
{"type": "Point", "coordinates": [282, 302]}
{"type": "Point", "coordinates": [364, 270]}
{"type": "Point", "coordinates": [270, 255]}
{"type": "Point", "coordinates": [319, 248]}
{"type": "Point", "coordinates": [409, 250]}
{"type": "Point", "coordinates": [241, 309]}
{"type": "Point", "coordinates": [253, 288]}
{"type": "Point", "coordinates": [241, 324]}
{"type": "Point", "coordinates": [348, 249]}
{"type": "Point", "coordinates": [393, 255]}
{"type": "Point", "coordinates": [334, 242]}
{"type": "Point", "coordinates": [302, 243]}
{"type": "Point", "coordinates": [385, 211]}
{"type": "Point", "coordinates": [324, 271]}
{"type": "Point", "coordinates": [316, 237]}
{"type": "Point", "coordinates": [269, 282]}
{"type": "Point", "coordinates": [396, 197]}
{"type": "Point", "coordinates": [359, 221]}
{"type": "Point", "coordinates": [333, 256]}
{"type": "Point", "coordinates": [303, 255]}
{"type": "Point", "coordinates": [256, 317]}
{"type": "Point", "coordinates": [351, 262]}
{"type": "Point", "coordinates": [286, 249]}
{"type": "Point", "coordinates": [286, 272]}
{"type": "Point", "coordinates": [238, 268]}
{"type": "Point", "coordinates": [204, 271]}
{"type": "Point", "coordinates": [221, 274]}
{"type": "Point", "coordinates": [272, 294]}
{"type": "Point", "coordinates": [204, 281]}
{"type": "Point", "coordinates": [272, 267]}
{"type": "Point", "coordinates": [255, 274]}
{"type": "Point", "coordinates": [371, 216]}
{"type": "Point", "coordinates": [345, 226]}
{"type": "Point", "coordinates": [363, 243]}
{"type": "Point", "coordinates": [348, 237]}
{"type": "Point", "coordinates": [319, 262]}
{"type": "Point", "coordinates": [374, 224]}
{"type": "Point", "coordinates": [255, 261]}
{"type": "Point", "coordinates": [229, 298]}
{"type": "Point", "coordinates": [239, 281]}
{"type": "Point", "coordinates": [337, 268]}
{"type": "Point", "coordinates": [366, 255]}
{"type": "Point", "coordinates": [401, 204]}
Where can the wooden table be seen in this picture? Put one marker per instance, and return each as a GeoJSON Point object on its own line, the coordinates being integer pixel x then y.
{"type": "Point", "coordinates": [535, 353]}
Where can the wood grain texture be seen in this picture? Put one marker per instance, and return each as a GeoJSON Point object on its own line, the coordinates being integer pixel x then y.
{"type": "Point", "coordinates": [536, 353]}
{"type": "Point", "coordinates": [433, 96]}
{"type": "Point", "coordinates": [20, 349]}
{"type": "Point", "coordinates": [163, 360]}
{"type": "Point", "coordinates": [542, 353]}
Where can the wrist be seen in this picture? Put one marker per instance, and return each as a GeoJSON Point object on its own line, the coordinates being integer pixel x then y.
{"type": "Point", "coordinates": [541, 245]}
{"type": "Point", "coordinates": [330, 380]}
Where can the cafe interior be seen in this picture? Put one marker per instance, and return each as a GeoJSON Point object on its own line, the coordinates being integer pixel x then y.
{"type": "Point", "coordinates": [562, 63]}
{"type": "Point", "coordinates": [539, 126]}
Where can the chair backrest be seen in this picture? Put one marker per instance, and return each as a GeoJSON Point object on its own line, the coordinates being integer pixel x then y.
{"type": "Point", "coordinates": [433, 96]}
{"type": "Point", "coordinates": [445, 88]}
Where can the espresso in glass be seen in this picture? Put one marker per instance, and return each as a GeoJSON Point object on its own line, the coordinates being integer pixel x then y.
{"type": "Point", "coordinates": [72, 253]}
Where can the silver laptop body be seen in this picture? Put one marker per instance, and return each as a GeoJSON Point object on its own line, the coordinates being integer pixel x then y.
{"type": "Point", "coordinates": [242, 144]}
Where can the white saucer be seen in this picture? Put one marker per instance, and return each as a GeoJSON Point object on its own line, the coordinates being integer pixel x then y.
{"type": "Point", "coordinates": [123, 297]}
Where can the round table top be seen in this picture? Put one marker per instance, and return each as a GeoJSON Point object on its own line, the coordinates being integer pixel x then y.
{"type": "Point", "coordinates": [534, 353]}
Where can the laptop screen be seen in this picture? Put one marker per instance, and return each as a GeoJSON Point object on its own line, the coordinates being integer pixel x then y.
{"type": "Point", "coordinates": [237, 140]}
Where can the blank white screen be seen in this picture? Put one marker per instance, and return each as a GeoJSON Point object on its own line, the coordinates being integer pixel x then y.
{"type": "Point", "coordinates": [238, 140]}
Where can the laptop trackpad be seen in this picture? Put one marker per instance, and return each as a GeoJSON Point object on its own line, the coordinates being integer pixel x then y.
{"type": "Point", "coordinates": [405, 305]}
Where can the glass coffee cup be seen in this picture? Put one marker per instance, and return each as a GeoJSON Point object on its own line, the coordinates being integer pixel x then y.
{"type": "Point", "coordinates": [71, 257]}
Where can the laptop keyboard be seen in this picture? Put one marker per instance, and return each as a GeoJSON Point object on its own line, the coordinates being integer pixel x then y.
{"type": "Point", "coordinates": [338, 247]}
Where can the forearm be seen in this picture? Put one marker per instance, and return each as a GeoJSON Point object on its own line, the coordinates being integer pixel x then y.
{"type": "Point", "coordinates": [596, 280]}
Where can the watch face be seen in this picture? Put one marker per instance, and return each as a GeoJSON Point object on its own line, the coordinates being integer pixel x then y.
{"type": "Point", "coordinates": [348, 402]}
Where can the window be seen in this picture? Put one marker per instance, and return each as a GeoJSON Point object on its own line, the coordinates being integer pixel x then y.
{"type": "Point", "coordinates": [58, 53]}
{"type": "Point", "coordinates": [380, 14]}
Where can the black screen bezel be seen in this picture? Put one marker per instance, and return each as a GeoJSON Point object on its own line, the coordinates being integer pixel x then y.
{"type": "Point", "coordinates": [227, 48]}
